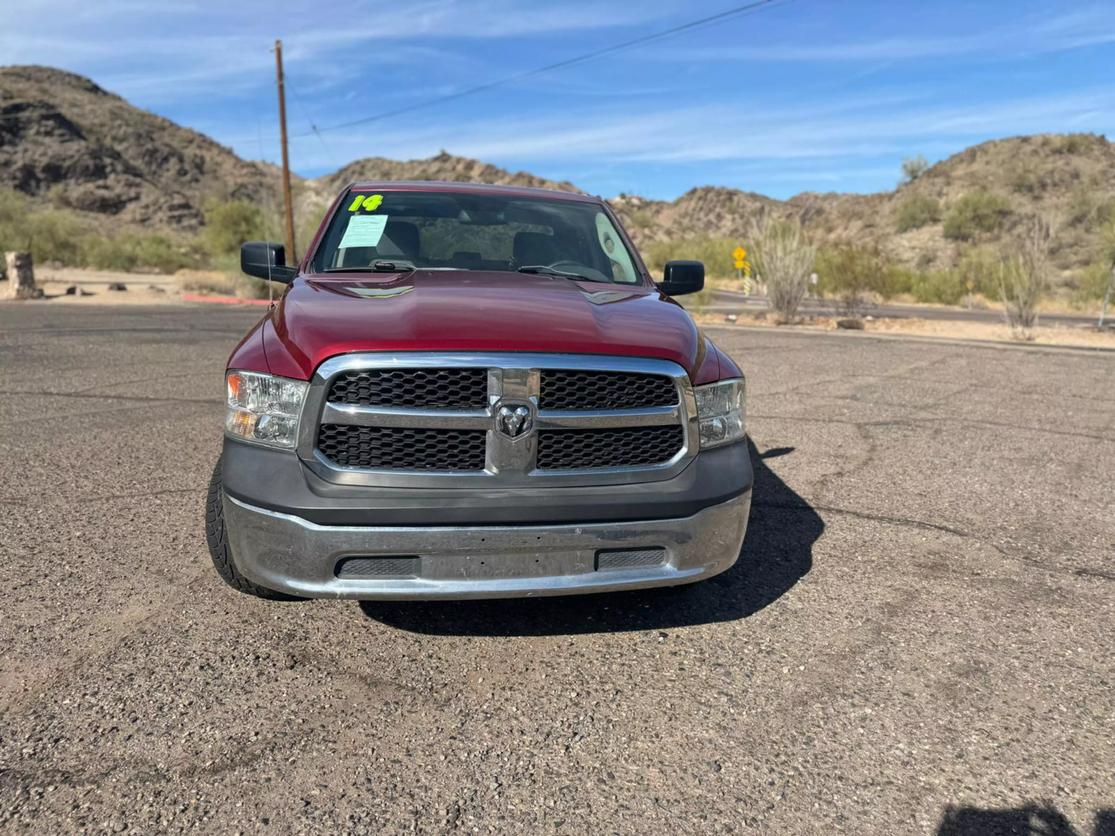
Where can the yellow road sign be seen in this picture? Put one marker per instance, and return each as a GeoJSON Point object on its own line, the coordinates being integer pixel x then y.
{"type": "Point", "coordinates": [739, 254]}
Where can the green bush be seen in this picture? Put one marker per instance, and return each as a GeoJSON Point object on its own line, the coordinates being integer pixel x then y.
{"type": "Point", "coordinates": [845, 271]}
{"type": "Point", "coordinates": [228, 225]}
{"type": "Point", "coordinates": [1091, 284]}
{"type": "Point", "coordinates": [897, 280]}
{"type": "Point", "coordinates": [916, 211]}
{"type": "Point", "coordinates": [939, 287]}
{"type": "Point", "coordinates": [716, 253]}
{"type": "Point", "coordinates": [974, 214]}
{"type": "Point", "coordinates": [53, 236]}
{"type": "Point", "coordinates": [913, 168]}
{"type": "Point", "coordinates": [136, 252]}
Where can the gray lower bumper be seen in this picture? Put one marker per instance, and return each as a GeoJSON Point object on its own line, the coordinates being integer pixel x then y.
{"type": "Point", "coordinates": [289, 554]}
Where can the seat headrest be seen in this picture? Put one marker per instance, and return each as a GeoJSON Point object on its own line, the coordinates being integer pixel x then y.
{"type": "Point", "coordinates": [534, 248]}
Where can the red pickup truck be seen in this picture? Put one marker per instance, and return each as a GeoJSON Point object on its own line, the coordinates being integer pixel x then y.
{"type": "Point", "coordinates": [475, 391]}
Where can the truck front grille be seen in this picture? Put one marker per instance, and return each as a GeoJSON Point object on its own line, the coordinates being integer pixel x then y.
{"type": "Point", "coordinates": [627, 447]}
{"type": "Point", "coordinates": [505, 419]}
{"type": "Point", "coordinates": [578, 389]}
{"type": "Point", "coordinates": [399, 448]}
{"type": "Point", "coordinates": [424, 388]}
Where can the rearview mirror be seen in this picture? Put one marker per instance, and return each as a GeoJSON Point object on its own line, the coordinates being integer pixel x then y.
{"type": "Point", "coordinates": [682, 277]}
{"type": "Point", "coordinates": [266, 260]}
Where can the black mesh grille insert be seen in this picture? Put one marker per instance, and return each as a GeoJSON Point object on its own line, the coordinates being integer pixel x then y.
{"type": "Point", "coordinates": [379, 567]}
{"type": "Point", "coordinates": [415, 388]}
{"type": "Point", "coordinates": [629, 447]}
{"type": "Point", "coordinates": [629, 558]}
{"type": "Point", "coordinates": [398, 448]}
{"type": "Point", "coordinates": [571, 389]}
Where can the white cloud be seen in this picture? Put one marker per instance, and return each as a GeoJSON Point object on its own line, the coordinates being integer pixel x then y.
{"type": "Point", "coordinates": [833, 130]}
{"type": "Point", "coordinates": [168, 50]}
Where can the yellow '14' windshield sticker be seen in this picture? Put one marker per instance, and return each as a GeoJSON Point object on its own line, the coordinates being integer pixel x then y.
{"type": "Point", "coordinates": [370, 202]}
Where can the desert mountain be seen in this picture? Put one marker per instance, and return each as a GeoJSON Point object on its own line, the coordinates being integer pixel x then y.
{"type": "Point", "coordinates": [65, 139]}
{"type": "Point", "coordinates": [444, 166]}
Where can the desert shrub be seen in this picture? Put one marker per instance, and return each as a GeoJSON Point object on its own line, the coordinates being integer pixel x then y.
{"type": "Point", "coordinates": [136, 252]}
{"type": "Point", "coordinates": [1023, 277]}
{"type": "Point", "coordinates": [1073, 143]}
{"type": "Point", "coordinates": [230, 224]}
{"type": "Point", "coordinates": [14, 225]}
{"type": "Point", "coordinates": [1090, 284]}
{"type": "Point", "coordinates": [913, 168]}
{"type": "Point", "coordinates": [851, 275]}
{"type": "Point", "coordinates": [978, 271]}
{"type": "Point", "coordinates": [54, 236]}
{"type": "Point", "coordinates": [916, 211]}
{"type": "Point", "coordinates": [716, 253]}
{"type": "Point", "coordinates": [1089, 210]}
{"type": "Point", "coordinates": [938, 287]}
{"type": "Point", "coordinates": [897, 280]}
{"type": "Point", "coordinates": [974, 214]}
{"type": "Point", "coordinates": [1024, 178]}
{"type": "Point", "coordinates": [783, 259]}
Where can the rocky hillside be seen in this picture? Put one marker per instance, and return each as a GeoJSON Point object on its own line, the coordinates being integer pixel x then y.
{"type": "Point", "coordinates": [981, 196]}
{"type": "Point", "coordinates": [63, 137]}
{"type": "Point", "coordinates": [443, 166]}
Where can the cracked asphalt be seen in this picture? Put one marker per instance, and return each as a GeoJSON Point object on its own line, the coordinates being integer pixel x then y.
{"type": "Point", "coordinates": [918, 637]}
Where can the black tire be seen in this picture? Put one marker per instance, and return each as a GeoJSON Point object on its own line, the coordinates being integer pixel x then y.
{"type": "Point", "coordinates": [217, 537]}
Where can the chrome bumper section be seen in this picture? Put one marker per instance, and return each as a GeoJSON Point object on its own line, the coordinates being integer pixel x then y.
{"type": "Point", "coordinates": [289, 554]}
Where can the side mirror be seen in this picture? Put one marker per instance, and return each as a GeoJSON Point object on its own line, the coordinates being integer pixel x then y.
{"type": "Point", "coordinates": [682, 277]}
{"type": "Point", "coordinates": [265, 260]}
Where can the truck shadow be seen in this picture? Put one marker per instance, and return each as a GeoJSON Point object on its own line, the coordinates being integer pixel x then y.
{"type": "Point", "coordinates": [1030, 820]}
{"type": "Point", "coordinates": [777, 553]}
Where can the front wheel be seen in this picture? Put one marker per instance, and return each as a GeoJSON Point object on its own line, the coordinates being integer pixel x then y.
{"type": "Point", "coordinates": [216, 535]}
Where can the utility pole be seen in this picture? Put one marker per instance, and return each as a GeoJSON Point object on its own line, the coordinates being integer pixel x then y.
{"type": "Point", "coordinates": [288, 204]}
{"type": "Point", "coordinates": [1107, 296]}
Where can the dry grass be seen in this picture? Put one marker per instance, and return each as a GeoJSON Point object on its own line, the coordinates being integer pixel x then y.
{"type": "Point", "coordinates": [982, 331]}
{"type": "Point", "coordinates": [220, 283]}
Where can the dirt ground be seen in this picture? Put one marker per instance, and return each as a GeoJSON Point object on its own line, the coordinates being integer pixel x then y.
{"type": "Point", "coordinates": [941, 329]}
{"type": "Point", "coordinates": [917, 637]}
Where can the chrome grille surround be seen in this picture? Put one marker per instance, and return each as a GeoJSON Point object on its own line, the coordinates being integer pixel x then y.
{"type": "Point", "coordinates": [513, 379]}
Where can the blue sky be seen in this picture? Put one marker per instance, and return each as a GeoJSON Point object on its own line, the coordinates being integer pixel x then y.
{"type": "Point", "coordinates": [804, 95]}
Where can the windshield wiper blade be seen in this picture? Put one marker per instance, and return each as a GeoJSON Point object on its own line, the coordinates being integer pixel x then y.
{"type": "Point", "coordinates": [382, 266]}
{"type": "Point", "coordinates": [546, 270]}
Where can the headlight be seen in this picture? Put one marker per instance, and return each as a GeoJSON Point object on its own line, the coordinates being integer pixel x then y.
{"type": "Point", "coordinates": [264, 408]}
{"type": "Point", "coordinates": [722, 410]}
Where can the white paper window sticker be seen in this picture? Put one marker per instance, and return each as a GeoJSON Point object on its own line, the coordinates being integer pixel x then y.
{"type": "Point", "coordinates": [363, 231]}
{"type": "Point", "coordinates": [622, 268]}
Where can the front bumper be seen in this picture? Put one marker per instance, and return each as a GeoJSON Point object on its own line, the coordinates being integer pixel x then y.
{"type": "Point", "coordinates": [287, 553]}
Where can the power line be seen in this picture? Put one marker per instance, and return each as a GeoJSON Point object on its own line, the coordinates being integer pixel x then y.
{"type": "Point", "coordinates": [736, 11]}
{"type": "Point", "coordinates": [310, 120]}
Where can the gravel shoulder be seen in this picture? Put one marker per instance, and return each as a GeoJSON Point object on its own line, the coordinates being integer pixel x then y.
{"type": "Point", "coordinates": [918, 636]}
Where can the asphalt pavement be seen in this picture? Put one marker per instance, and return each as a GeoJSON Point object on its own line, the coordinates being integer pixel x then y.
{"type": "Point", "coordinates": [918, 637]}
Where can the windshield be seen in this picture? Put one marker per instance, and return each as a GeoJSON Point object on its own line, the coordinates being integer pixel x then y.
{"type": "Point", "coordinates": [446, 231]}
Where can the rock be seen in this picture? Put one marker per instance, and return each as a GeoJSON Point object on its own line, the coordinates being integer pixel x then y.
{"type": "Point", "coordinates": [154, 288]}
{"type": "Point", "coordinates": [71, 290]}
{"type": "Point", "coordinates": [731, 318]}
{"type": "Point", "coordinates": [850, 324]}
{"type": "Point", "coordinates": [118, 286]}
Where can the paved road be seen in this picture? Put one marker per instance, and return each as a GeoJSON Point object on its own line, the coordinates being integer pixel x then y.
{"type": "Point", "coordinates": [918, 638]}
{"type": "Point", "coordinates": [730, 301]}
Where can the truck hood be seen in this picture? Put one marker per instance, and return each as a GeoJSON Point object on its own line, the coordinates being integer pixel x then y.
{"type": "Point", "coordinates": [319, 318]}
